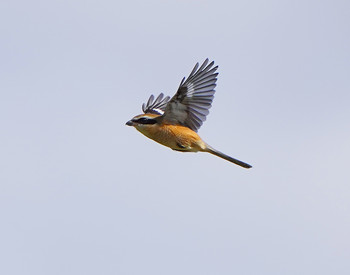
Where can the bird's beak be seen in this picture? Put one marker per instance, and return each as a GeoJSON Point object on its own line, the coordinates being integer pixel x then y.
{"type": "Point", "coordinates": [129, 123]}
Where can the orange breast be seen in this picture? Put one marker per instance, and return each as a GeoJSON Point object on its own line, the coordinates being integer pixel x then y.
{"type": "Point", "coordinates": [173, 136]}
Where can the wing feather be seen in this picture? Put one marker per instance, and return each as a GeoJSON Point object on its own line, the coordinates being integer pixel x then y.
{"type": "Point", "coordinates": [192, 101]}
{"type": "Point", "coordinates": [156, 106]}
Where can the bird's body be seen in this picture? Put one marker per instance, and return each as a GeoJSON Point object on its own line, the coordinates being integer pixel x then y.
{"type": "Point", "coordinates": [174, 122]}
{"type": "Point", "coordinates": [176, 137]}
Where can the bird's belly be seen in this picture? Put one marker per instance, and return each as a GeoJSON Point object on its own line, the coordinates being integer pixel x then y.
{"type": "Point", "coordinates": [174, 136]}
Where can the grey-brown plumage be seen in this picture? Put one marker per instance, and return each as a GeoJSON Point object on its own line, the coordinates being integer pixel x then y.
{"type": "Point", "coordinates": [155, 106]}
{"type": "Point", "coordinates": [192, 101]}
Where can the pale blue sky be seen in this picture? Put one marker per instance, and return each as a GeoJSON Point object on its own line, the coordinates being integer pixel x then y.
{"type": "Point", "coordinates": [81, 193]}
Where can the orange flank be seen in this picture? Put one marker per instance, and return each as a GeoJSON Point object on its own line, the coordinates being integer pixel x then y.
{"type": "Point", "coordinates": [176, 137]}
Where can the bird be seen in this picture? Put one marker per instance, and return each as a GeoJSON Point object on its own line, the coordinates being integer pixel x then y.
{"type": "Point", "coordinates": [174, 122]}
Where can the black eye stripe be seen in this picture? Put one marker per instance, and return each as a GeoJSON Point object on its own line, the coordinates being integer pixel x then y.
{"type": "Point", "coordinates": [144, 120]}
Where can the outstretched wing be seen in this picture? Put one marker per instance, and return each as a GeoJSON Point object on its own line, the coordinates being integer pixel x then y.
{"type": "Point", "coordinates": [192, 101]}
{"type": "Point", "coordinates": [155, 106]}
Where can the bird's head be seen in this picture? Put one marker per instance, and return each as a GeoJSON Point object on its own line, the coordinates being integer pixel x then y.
{"type": "Point", "coordinates": [143, 120]}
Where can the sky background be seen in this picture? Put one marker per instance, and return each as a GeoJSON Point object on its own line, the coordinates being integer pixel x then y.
{"type": "Point", "coordinates": [81, 193]}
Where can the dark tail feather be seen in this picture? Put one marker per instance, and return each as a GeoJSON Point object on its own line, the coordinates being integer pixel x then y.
{"type": "Point", "coordinates": [222, 155]}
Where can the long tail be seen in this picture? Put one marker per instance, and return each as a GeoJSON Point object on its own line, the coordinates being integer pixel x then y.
{"type": "Point", "coordinates": [222, 155]}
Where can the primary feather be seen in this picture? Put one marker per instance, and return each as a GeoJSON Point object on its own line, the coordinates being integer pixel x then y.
{"type": "Point", "coordinates": [192, 101]}
{"type": "Point", "coordinates": [157, 106]}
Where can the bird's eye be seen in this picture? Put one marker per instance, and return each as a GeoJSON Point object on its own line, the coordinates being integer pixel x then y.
{"type": "Point", "coordinates": [145, 120]}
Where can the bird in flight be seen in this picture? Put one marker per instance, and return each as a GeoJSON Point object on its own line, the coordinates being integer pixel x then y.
{"type": "Point", "coordinates": [174, 122]}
